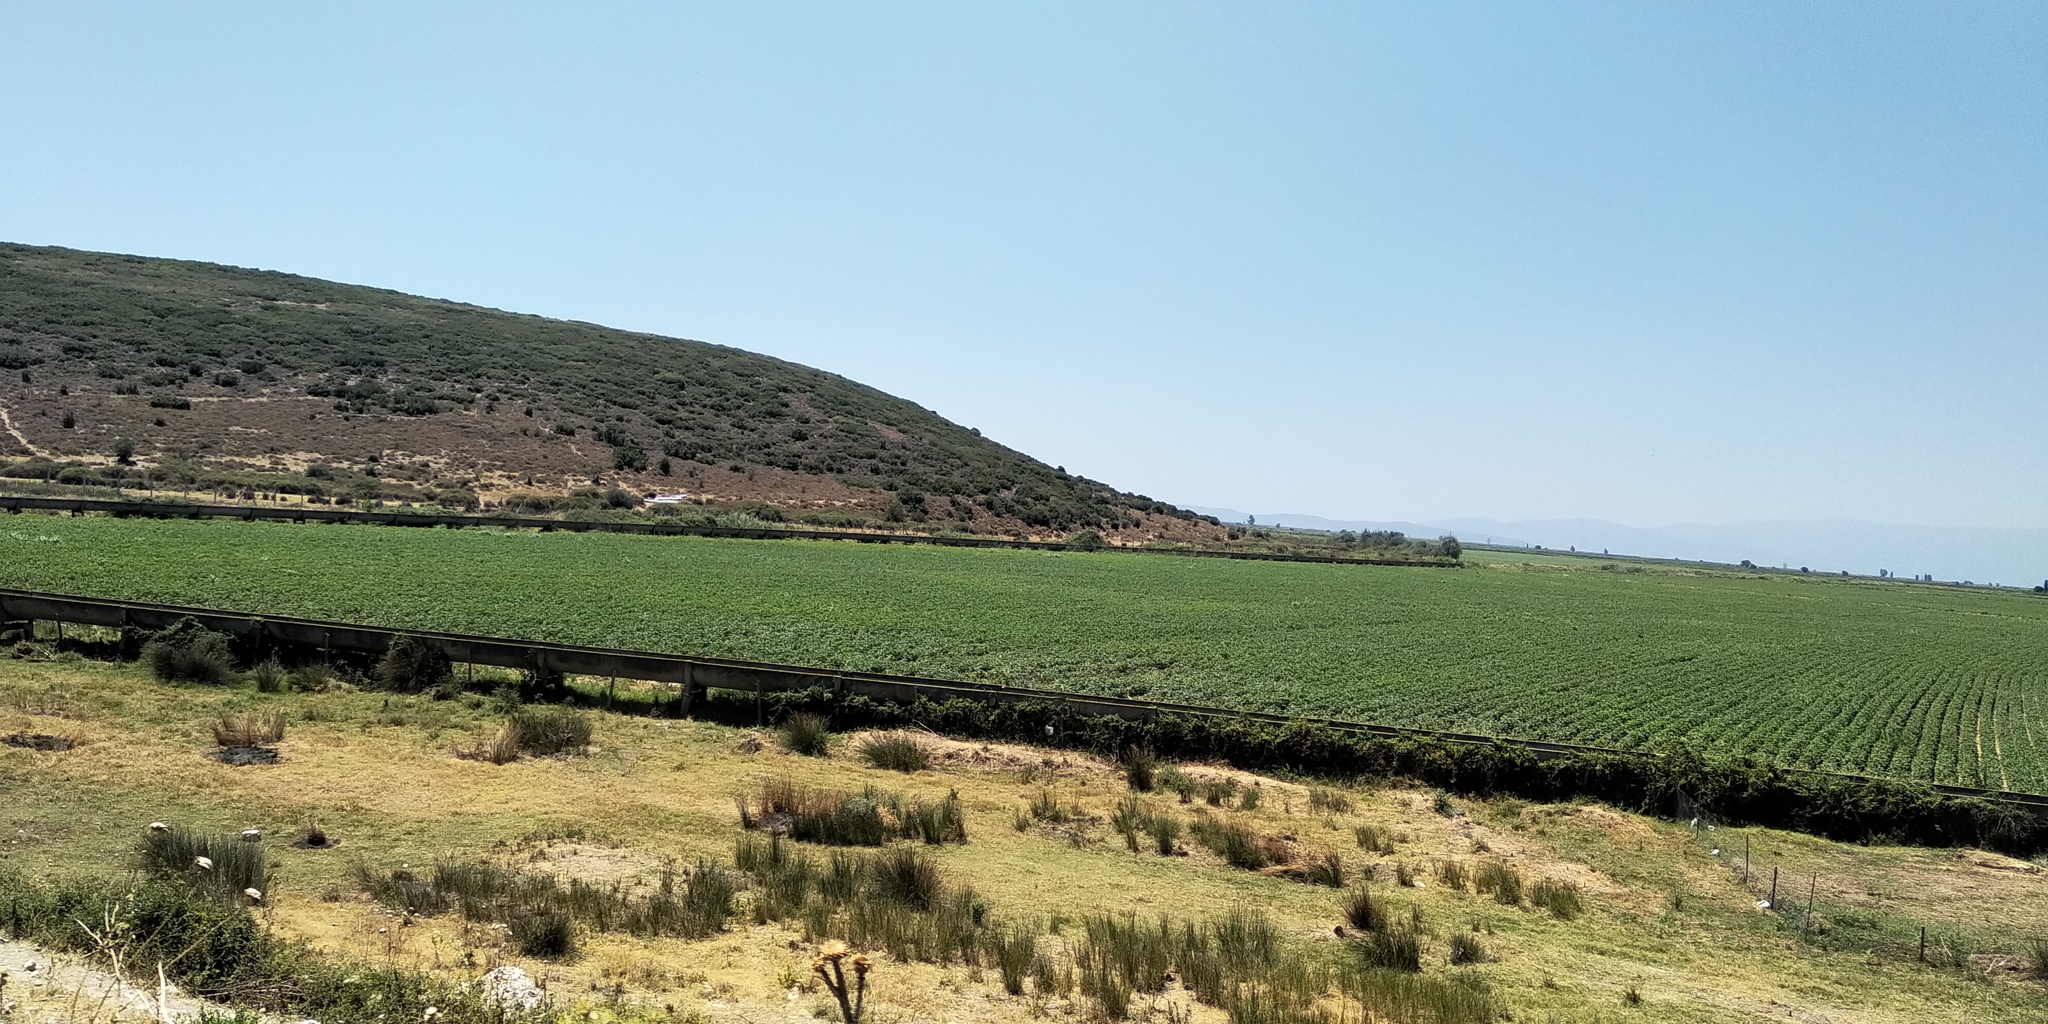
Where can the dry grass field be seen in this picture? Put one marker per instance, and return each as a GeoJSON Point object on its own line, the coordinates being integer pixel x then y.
{"type": "Point", "coordinates": [1668, 931]}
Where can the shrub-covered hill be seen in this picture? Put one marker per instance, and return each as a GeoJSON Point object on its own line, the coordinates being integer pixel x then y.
{"type": "Point", "coordinates": [220, 376]}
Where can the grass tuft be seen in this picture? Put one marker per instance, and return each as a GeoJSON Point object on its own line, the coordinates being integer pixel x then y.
{"type": "Point", "coordinates": [897, 752]}
{"type": "Point", "coordinates": [1141, 768]}
{"type": "Point", "coordinates": [544, 729]}
{"type": "Point", "coordinates": [1015, 952]}
{"type": "Point", "coordinates": [1233, 842]}
{"type": "Point", "coordinates": [269, 676]}
{"type": "Point", "coordinates": [253, 729]}
{"type": "Point", "coordinates": [1176, 781]}
{"type": "Point", "coordinates": [1399, 996]}
{"type": "Point", "coordinates": [1453, 875]}
{"type": "Point", "coordinates": [1046, 807]}
{"type": "Point", "coordinates": [1375, 839]}
{"type": "Point", "coordinates": [1328, 801]}
{"type": "Point", "coordinates": [413, 665]}
{"type": "Point", "coordinates": [807, 734]}
{"type": "Point", "coordinates": [542, 912]}
{"type": "Point", "coordinates": [1398, 948]}
{"type": "Point", "coordinates": [221, 865]}
{"type": "Point", "coordinates": [547, 933]}
{"type": "Point", "coordinates": [1498, 878]}
{"type": "Point", "coordinates": [1364, 912]}
{"type": "Point", "coordinates": [1561, 898]}
{"type": "Point", "coordinates": [186, 652]}
{"type": "Point", "coordinates": [907, 875]}
{"type": "Point", "coordinates": [1326, 869]}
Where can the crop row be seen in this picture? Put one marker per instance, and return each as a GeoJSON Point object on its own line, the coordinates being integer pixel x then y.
{"type": "Point", "coordinates": [1856, 676]}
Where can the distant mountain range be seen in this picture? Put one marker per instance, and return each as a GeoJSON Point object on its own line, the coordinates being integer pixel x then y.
{"type": "Point", "coordinates": [2008, 556]}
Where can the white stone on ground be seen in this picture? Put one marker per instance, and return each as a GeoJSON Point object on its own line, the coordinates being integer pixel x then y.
{"type": "Point", "coordinates": [510, 988]}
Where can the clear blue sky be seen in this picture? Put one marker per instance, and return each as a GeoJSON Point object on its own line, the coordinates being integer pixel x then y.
{"type": "Point", "coordinates": [1641, 262]}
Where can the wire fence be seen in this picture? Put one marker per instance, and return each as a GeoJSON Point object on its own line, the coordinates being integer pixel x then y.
{"type": "Point", "coordinates": [1825, 911]}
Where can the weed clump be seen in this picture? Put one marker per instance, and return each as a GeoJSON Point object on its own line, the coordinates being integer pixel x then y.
{"type": "Point", "coordinates": [551, 729]}
{"type": "Point", "coordinates": [894, 900]}
{"type": "Point", "coordinates": [1129, 820]}
{"type": "Point", "coordinates": [413, 665]}
{"type": "Point", "coordinates": [1452, 875]}
{"type": "Point", "coordinates": [1364, 912]}
{"type": "Point", "coordinates": [1326, 869]}
{"type": "Point", "coordinates": [1560, 898]}
{"type": "Point", "coordinates": [1164, 831]}
{"type": "Point", "coordinates": [1398, 995]}
{"type": "Point", "coordinates": [269, 676]}
{"type": "Point", "coordinates": [1328, 801]}
{"type": "Point", "coordinates": [1398, 948]}
{"type": "Point", "coordinates": [1465, 948]}
{"type": "Point", "coordinates": [1375, 839]}
{"type": "Point", "coordinates": [1503, 881]}
{"type": "Point", "coordinates": [1219, 792]}
{"type": "Point", "coordinates": [187, 652]}
{"type": "Point", "coordinates": [807, 734]}
{"type": "Point", "coordinates": [1233, 842]}
{"type": "Point", "coordinates": [546, 932]}
{"type": "Point", "coordinates": [317, 677]}
{"type": "Point", "coordinates": [908, 876]}
{"type": "Point", "coordinates": [254, 729]}
{"type": "Point", "coordinates": [542, 912]}
{"type": "Point", "coordinates": [1141, 768]}
{"type": "Point", "coordinates": [221, 865]}
{"type": "Point", "coordinates": [1014, 951]}
{"type": "Point", "coordinates": [853, 819]}
{"type": "Point", "coordinates": [896, 752]}
{"type": "Point", "coordinates": [1046, 807]}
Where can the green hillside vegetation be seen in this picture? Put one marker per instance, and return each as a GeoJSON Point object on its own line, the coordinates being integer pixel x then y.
{"type": "Point", "coordinates": [97, 350]}
{"type": "Point", "coordinates": [1882, 678]}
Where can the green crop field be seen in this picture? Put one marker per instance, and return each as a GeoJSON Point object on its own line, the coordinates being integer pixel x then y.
{"type": "Point", "coordinates": [1884, 678]}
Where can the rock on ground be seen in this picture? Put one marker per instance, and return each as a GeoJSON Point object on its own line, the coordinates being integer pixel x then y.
{"type": "Point", "coordinates": [510, 988]}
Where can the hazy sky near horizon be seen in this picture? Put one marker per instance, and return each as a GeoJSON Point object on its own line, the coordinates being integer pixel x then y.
{"type": "Point", "coordinates": [1648, 263]}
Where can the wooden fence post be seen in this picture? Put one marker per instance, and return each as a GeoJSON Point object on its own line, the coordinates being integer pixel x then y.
{"type": "Point", "coordinates": [1774, 888]}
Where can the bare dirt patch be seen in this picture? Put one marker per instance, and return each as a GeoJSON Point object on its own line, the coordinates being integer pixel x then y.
{"type": "Point", "coordinates": [38, 741]}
